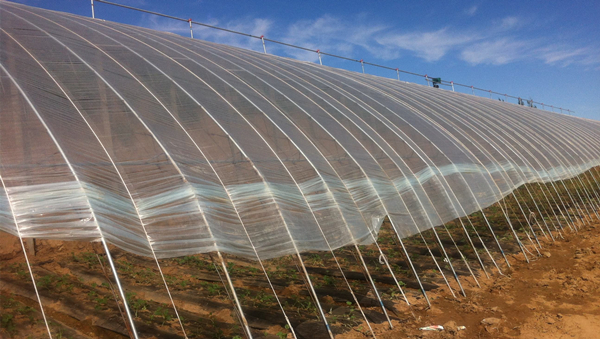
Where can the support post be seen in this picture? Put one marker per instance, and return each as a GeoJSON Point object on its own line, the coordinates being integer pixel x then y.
{"type": "Point", "coordinates": [191, 30]}
{"type": "Point", "coordinates": [472, 90]}
{"type": "Point", "coordinates": [398, 74]}
{"type": "Point", "coordinates": [30, 243]}
{"type": "Point", "coordinates": [93, 13]}
{"type": "Point", "coordinates": [427, 79]}
{"type": "Point", "coordinates": [262, 38]}
{"type": "Point", "coordinates": [319, 54]}
{"type": "Point", "coordinates": [236, 300]}
{"type": "Point", "coordinates": [362, 64]}
{"type": "Point", "coordinates": [120, 288]}
{"type": "Point", "coordinates": [452, 83]}
{"type": "Point", "coordinates": [490, 93]}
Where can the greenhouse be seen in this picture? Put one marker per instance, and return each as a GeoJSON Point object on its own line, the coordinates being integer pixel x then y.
{"type": "Point", "coordinates": [161, 146]}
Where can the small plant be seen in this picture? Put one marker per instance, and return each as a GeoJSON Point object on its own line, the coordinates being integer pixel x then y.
{"type": "Point", "coordinates": [216, 330]}
{"type": "Point", "coordinates": [21, 272]}
{"type": "Point", "coordinates": [329, 280]}
{"type": "Point", "coordinates": [162, 312]}
{"type": "Point", "coordinates": [28, 312]}
{"type": "Point", "coordinates": [64, 281]}
{"type": "Point", "coordinates": [264, 298]}
{"type": "Point", "coordinates": [88, 258]}
{"type": "Point", "coordinates": [315, 259]}
{"type": "Point", "coordinates": [100, 303]}
{"type": "Point", "coordinates": [140, 305]}
{"type": "Point", "coordinates": [7, 322]}
{"type": "Point", "coordinates": [213, 289]}
{"type": "Point", "coordinates": [231, 268]}
{"type": "Point", "coordinates": [45, 282]}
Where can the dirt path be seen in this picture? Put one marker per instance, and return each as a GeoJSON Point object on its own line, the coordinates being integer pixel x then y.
{"type": "Point", "coordinates": [555, 296]}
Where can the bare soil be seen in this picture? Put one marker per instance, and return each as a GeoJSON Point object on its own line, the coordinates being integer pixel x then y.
{"type": "Point", "coordinates": [556, 296]}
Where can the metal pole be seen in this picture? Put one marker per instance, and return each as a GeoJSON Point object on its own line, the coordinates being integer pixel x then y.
{"type": "Point", "coordinates": [191, 30]}
{"type": "Point", "coordinates": [427, 79]}
{"type": "Point", "coordinates": [262, 38]}
{"type": "Point", "coordinates": [490, 93]}
{"type": "Point", "coordinates": [362, 65]}
{"type": "Point", "coordinates": [543, 106]}
{"type": "Point", "coordinates": [398, 74]}
{"type": "Point", "coordinates": [320, 61]}
{"type": "Point", "coordinates": [12, 212]}
{"type": "Point", "coordinates": [560, 110]}
{"type": "Point", "coordinates": [119, 287]}
{"type": "Point", "coordinates": [452, 83]}
{"type": "Point", "coordinates": [93, 14]}
{"type": "Point", "coordinates": [472, 90]}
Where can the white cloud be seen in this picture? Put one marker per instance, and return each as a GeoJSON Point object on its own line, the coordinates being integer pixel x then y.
{"type": "Point", "coordinates": [430, 46]}
{"type": "Point", "coordinates": [164, 24]}
{"type": "Point", "coordinates": [334, 35]}
{"type": "Point", "coordinates": [364, 38]}
{"type": "Point", "coordinates": [564, 55]}
{"type": "Point", "coordinates": [497, 52]}
{"type": "Point", "coordinates": [254, 26]}
{"type": "Point", "coordinates": [471, 10]}
{"type": "Point", "coordinates": [510, 22]}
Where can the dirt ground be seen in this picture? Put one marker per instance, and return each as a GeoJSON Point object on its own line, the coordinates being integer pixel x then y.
{"type": "Point", "coordinates": [555, 296]}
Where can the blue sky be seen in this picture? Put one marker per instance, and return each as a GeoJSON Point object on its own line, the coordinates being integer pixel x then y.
{"type": "Point", "coordinates": [545, 50]}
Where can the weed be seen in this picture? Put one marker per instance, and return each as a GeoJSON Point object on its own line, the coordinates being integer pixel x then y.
{"type": "Point", "coordinates": [64, 281]}
{"type": "Point", "coordinates": [315, 259]}
{"type": "Point", "coordinates": [45, 282]}
{"type": "Point", "coordinates": [263, 298]}
{"type": "Point", "coordinates": [100, 303]}
{"type": "Point", "coordinates": [212, 288]}
{"type": "Point", "coordinates": [7, 322]}
{"type": "Point", "coordinates": [329, 280]}
{"type": "Point", "coordinates": [21, 273]}
{"type": "Point", "coordinates": [162, 312]}
{"type": "Point", "coordinates": [140, 305]}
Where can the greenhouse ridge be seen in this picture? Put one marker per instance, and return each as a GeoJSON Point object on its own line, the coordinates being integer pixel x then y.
{"type": "Point", "coordinates": [430, 81]}
{"type": "Point", "coordinates": [165, 147]}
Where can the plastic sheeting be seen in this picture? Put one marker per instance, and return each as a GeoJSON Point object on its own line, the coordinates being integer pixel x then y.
{"type": "Point", "coordinates": [158, 142]}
